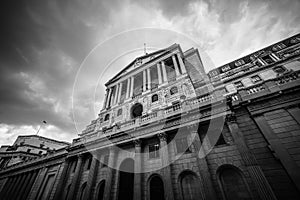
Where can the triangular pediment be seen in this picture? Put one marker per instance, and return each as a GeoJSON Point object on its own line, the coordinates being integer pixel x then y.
{"type": "Point", "coordinates": [142, 60]}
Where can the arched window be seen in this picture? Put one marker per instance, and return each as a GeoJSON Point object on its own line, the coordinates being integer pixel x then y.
{"type": "Point", "coordinates": [126, 179]}
{"type": "Point", "coordinates": [173, 90]}
{"type": "Point", "coordinates": [136, 110]}
{"type": "Point", "coordinates": [156, 188]}
{"type": "Point", "coordinates": [101, 188]}
{"type": "Point", "coordinates": [106, 118]}
{"type": "Point", "coordinates": [233, 184]}
{"type": "Point", "coordinates": [82, 191]}
{"type": "Point", "coordinates": [190, 186]}
{"type": "Point", "coordinates": [119, 112]}
{"type": "Point", "coordinates": [154, 98]}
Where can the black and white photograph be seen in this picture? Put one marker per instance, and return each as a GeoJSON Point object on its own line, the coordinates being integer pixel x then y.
{"type": "Point", "coordinates": [149, 100]}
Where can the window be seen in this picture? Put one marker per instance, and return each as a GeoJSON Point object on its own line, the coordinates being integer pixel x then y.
{"type": "Point", "coordinates": [154, 98]}
{"type": "Point", "coordinates": [182, 145]}
{"type": "Point", "coordinates": [239, 85]}
{"type": "Point", "coordinates": [170, 69]}
{"type": "Point", "coordinates": [190, 185]}
{"type": "Point", "coordinates": [154, 150]}
{"type": "Point", "coordinates": [101, 188]}
{"type": "Point", "coordinates": [106, 118]}
{"type": "Point", "coordinates": [255, 79]}
{"type": "Point", "coordinates": [105, 160]}
{"type": "Point", "coordinates": [154, 77]}
{"type": "Point", "coordinates": [42, 145]}
{"type": "Point", "coordinates": [156, 188]}
{"type": "Point", "coordinates": [173, 90]}
{"type": "Point", "coordinates": [279, 69]}
{"type": "Point", "coordinates": [136, 110]}
{"type": "Point", "coordinates": [138, 84]}
{"type": "Point", "coordinates": [119, 112]}
{"type": "Point", "coordinates": [233, 184]}
{"type": "Point", "coordinates": [40, 152]}
{"type": "Point", "coordinates": [268, 59]}
{"type": "Point", "coordinates": [123, 91]}
{"type": "Point", "coordinates": [28, 150]}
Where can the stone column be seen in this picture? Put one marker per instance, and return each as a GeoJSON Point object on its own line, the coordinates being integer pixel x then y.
{"type": "Point", "coordinates": [105, 100]}
{"type": "Point", "coordinates": [175, 65]}
{"type": "Point", "coordinates": [149, 78]}
{"type": "Point", "coordinates": [144, 81]}
{"type": "Point", "coordinates": [116, 94]}
{"type": "Point", "coordinates": [285, 158]}
{"type": "Point", "coordinates": [76, 178]}
{"type": "Point", "coordinates": [264, 189]}
{"type": "Point", "coordinates": [23, 186]}
{"type": "Point", "coordinates": [131, 86]}
{"type": "Point", "coordinates": [159, 74]}
{"type": "Point", "coordinates": [207, 188]}
{"type": "Point", "coordinates": [163, 151]}
{"type": "Point", "coordinates": [37, 183]}
{"type": "Point", "coordinates": [62, 179]}
{"type": "Point", "coordinates": [137, 171]}
{"type": "Point", "coordinates": [182, 66]}
{"type": "Point", "coordinates": [92, 175]}
{"type": "Point", "coordinates": [17, 186]}
{"type": "Point", "coordinates": [128, 88]}
{"type": "Point", "coordinates": [109, 181]}
{"type": "Point", "coordinates": [120, 92]}
{"type": "Point", "coordinates": [33, 176]}
{"type": "Point", "coordinates": [109, 98]}
{"type": "Point", "coordinates": [164, 71]}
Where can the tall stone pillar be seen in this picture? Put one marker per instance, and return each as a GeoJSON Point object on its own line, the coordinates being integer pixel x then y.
{"type": "Point", "coordinates": [18, 186]}
{"type": "Point", "coordinates": [105, 99]}
{"type": "Point", "coordinates": [149, 78]}
{"type": "Point", "coordinates": [159, 74]}
{"type": "Point", "coordinates": [62, 179]}
{"type": "Point", "coordinates": [207, 188]}
{"type": "Point", "coordinates": [164, 71]}
{"type": "Point", "coordinates": [109, 181]}
{"type": "Point", "coordinates": [182, 66]}
{"type": "Point", "coordinates": [23, 186]}
{"type": "Point", "coordinates": [33, 176]}
{"type": "Point", "coordinates": [76, 178]}
{"type": "Point", "coordinates": [137, 171]}
{"type": "Point", "coordinates": [163, 150]}
{"type": "Point", "coordinates": [128, 88]}
{"type": "Point", "coordinates": [285, 158]}
{"type": "Point", "coordinates": [109, 98]}
{"type": "Point", "coordinates": [131, 86]}
{"type": "Point", "coordinates": [116, 94]}
{"type": "Point", "coordinates": [264, 189]}
{"type": "Point", "coordinates": [176, 66]}
{"type": "Point", "coordinates": [92, 175]}
{"type": "Point", "coordinates": [37, 183]}
{"type": "Point", "coordinates": [144, 81]}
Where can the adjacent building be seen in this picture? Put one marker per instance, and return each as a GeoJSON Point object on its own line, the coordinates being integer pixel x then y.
{"type": "Point", "coordinates": [169, 130]}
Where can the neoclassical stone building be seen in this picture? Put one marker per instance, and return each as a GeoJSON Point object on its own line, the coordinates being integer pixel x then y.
{"type": "Point", "coordinates": [169, 130]}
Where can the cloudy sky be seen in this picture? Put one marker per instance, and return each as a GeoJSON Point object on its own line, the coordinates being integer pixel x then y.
{"type": "Point", "coordinates": [44, 46]}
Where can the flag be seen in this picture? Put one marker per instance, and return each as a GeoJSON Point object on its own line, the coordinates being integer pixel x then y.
{"type": "Point", "coordinates": [44, 122]}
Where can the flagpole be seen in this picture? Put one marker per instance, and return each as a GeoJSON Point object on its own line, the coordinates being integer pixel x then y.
{"type": "Point", "coordinates": [44, 122]}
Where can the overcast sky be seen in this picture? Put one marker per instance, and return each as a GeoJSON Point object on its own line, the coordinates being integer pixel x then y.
{"type": "Point", "coordinates": [43, 44]}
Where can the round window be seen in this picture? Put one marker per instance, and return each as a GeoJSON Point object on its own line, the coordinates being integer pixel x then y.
{"type": "Point", "coordinates": [136, 110]}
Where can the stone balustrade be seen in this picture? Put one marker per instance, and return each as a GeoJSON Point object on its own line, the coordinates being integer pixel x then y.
{"type": "Point", "coordinates": [265, 88]}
